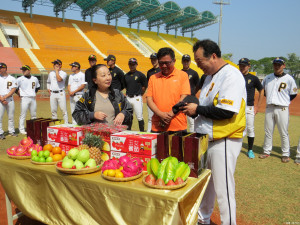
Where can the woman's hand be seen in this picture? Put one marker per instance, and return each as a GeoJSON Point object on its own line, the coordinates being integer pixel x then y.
{"type": "Point", "coordinates": [119, 119]}
{"type": "Point", "coordinates": [100, 115]}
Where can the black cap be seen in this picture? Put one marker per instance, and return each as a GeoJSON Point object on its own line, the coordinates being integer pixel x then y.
{"type": "Point", "coordinates": [92, 57]}
{"type": "Point", "coordinates": [244, 61]}
{"type": "Point", "coordinates": [278, 61]}
{"type": "Point", "coordinates": [132, 60]}
{"type": "Point", "coordinates": [186, 57]}
{"type": "Point", "coordinates": [57, 61]}
{"type": "Point", "coordinates": [110, 57]}
{"type": "Point", "coordinates": [3, 65]}
{"type": "Point", "coordinates": [153, 55]}
{"type": "Point", "coordinates": [75, 64]}
{"type": "Point", "coordinates": [25, 67]}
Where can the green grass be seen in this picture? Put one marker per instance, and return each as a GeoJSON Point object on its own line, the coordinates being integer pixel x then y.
{"type": "Point", "coordinates": [267, 191]}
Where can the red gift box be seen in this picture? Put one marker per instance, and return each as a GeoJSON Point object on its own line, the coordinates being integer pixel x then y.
{"type": "Point", "coordinates": [65, 133]}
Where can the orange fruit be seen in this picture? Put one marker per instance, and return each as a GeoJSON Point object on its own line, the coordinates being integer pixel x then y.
{"type": "Point", "coordinates": [48, 147]}
{"type": "Point", "coordinates": [56, 150]}
{"type": "Point", "coordinates": [57, 157]}
{"type": "Point", "coordinates": [63, 153]}
{"type": "Point", "coordinates": [51, 154]}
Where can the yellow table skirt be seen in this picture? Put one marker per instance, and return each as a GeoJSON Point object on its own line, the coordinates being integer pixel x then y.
{"type": "Point", "coordinates": [44, 194]}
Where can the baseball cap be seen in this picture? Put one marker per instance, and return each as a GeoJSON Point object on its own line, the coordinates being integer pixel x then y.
{"type": "Point", "coordinates": [57, 61]}
{"type": "Point", "coordinates": [110, 57]}
{"type": "Point", "coordinates": [186, 57]}
{"type": "Point", "coordinates": [244, 61]}
{"type": "Point", "coordinates": [75, 64]}
{"type": "Point", "coordinates": [153, 56]}
{"type": "Point", "coordinates": [3, 65]}
{"type": "Point", "coordinates": [92, 57]}
{"type": "Point", "coordinates": [25, 67]}
{"type": "Point", "coordinates": [132, 60]}
{"type": "Point", "coordinates": [279, 61]}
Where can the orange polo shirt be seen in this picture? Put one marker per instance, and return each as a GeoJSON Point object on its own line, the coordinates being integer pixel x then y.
{"type": "Point", "coordinates": [165, 92]}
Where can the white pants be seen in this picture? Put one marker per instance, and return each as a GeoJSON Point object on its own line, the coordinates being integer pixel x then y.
{"type": "Point", "coordinates": [150, 115]}
{"type": "Point", "coordinates": [250, 121]}
{"type": "Point", "coordinates": [191, 122]}
{"type": "Point", "coordinates": [59, 99]}
{"type": "Point", "coordinates": [221, 159]}
{"type": "Point", "coordinates": [10, 109]}
{"type": "Point", "coordinates": [73, 100]}
{"type": "Point", "coordinates": [137, 105]}
{"type": "Point", "coordinates": [27, 103]}
{"type": "Point", "coordinates": [298, 150]}
{"type": "Point", "coordinates": [277, 115]}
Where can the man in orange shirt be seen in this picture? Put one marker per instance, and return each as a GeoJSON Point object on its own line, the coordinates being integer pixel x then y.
{"type": "Point", "coordinates": [166, 89]}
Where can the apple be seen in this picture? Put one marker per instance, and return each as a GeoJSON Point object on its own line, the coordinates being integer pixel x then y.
{"type": "Point", "coordinates": [68, 163]}
{"type": "Point", "coordinates": [35, 158]}
{"type": "Point", "coordinates": [73, 153]}
{"type": "Point", "coordinates": [49, 159]}
{"type": "Point", "coordinates": [42, 159]}
{"type": "Point", "coordinates": [34, 153]}
{"type": "Point", "coordinates": [41, 154]}
{"type": "Point", "coordinates": [78, 164]}
{"type": "Point", "coordinates": [90, 163]}
{"type": "Point", "coordinates": [46, 154]}
{"type": "Point", "coordinates": [83, 155]}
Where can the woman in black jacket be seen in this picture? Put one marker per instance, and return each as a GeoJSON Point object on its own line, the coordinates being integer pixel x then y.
{"type": "Point", "coordinates": [102, 103]}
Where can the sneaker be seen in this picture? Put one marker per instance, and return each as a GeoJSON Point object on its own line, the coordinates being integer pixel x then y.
{"type": "Point", "coordinates": [297, 161]}
{"type": "Point", "coordinates": [13, 134]}
{"type": "Point", "coordinates": [2, 137]}
{"type": "Point", "coordinates": [264, 156]}
{"type": "Point", "coordinates": [285, 159]}
{"type": "Point", "coordinates": [23, 132]}
{"type": "Point", "coordinates": [251, 154]}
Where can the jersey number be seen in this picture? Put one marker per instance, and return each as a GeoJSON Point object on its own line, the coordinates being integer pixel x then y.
{"type": "Point", "coordinates": [281, 86]}
{"type": "Point", "coordinates": [210, 89]}
{"type": "Point", "coordinates": [33, 85]}
{"type": "Point", "coordinates": [9, 84]}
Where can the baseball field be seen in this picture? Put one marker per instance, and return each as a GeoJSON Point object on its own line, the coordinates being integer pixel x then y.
{"type": "Point", "coordinates": [267, 191]}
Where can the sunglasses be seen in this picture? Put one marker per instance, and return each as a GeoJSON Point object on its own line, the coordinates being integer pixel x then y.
{"type": "Point", "coordinates": [167, 63]}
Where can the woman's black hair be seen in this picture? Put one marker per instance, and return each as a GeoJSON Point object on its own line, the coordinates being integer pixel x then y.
{"type": "Point", "coordinates": [94, 76]}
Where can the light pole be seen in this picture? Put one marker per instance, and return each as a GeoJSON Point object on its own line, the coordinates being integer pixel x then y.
{"type": "Point", "coordinates": [221, 3]}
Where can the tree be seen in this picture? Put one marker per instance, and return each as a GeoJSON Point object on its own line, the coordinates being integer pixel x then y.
{"type": "Point", "coordinates": [293, 64]}
{"type": "Point", "coordinates": [227, 56]}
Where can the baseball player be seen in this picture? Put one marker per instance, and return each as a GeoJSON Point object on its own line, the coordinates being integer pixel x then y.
{"type": "Point", "coordinates": [155, 69]}
{"type": "Point", "coordinates": [28, 86]}
{"type": "Point", "coordinates": [136, 84]}
{"type": "Point", "coordinates": [76, 85]}
{"type": "Point", "coordinates": [116, 73]}
{"type": "Point", "coordinates": [56, 88]}
{"type": "Point", "coordinates": [8, 86]}
{"type": "Point", "coordinates": [194, 80]}
{"type": "Point", "coordinates": [221, 115]}
{"type": "Point", "coordinates": [252, 83]}
{"type": "Point", "coordinates": [280, 89]}
{"type": "Point", "coordinates": [88, 73]}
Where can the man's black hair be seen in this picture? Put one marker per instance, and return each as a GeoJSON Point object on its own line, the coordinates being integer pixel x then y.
{"type": "Point", "coordinates": [165, 51]}
{"type": "Point", "coordinates": [209, 47]}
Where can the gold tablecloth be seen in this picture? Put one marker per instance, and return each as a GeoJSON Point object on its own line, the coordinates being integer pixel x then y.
{"type": "Point", "coordinates": [44, 194]}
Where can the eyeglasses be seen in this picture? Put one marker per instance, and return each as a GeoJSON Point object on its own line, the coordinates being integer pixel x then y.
{"type": "Point", "coordinates": [167, 63]}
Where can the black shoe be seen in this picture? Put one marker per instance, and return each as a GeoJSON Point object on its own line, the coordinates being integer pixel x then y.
{"type": "Point", "coordinates": [13, 134]}
{"type": "Point", "coordinates": [2, 137]}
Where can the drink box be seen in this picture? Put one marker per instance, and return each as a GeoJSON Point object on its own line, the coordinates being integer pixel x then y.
{"type": "Point", "coordinates": [64, 147]}
{"type": "Point", "coordinates": [144, 158]}
{"type": "Point", "coordinates": [44, 125]}
{"type": "Point", "coordinates": [141, 143]}
{"type": "Point", "coordinates": [65, 134]}
{"type": "Point", "coordinates": [164, 143]}
{"type": "Point", "coordinates": [177, 144]}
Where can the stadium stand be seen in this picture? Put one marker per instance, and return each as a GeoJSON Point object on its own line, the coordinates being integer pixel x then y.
{"type": "Point", "coordinates": [11, 59]}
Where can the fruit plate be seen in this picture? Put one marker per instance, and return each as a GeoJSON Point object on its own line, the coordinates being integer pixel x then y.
{"type": "Point", "coordinates": [80, 171]}
{"type": "Point", "coordinates": [117, 179]}
{"type": "Point", "coordinates": [19, 156]}
{"type": "Point", "coordinates": [172, 187]}
{"type": "Point", "coordinates": [43, 163]}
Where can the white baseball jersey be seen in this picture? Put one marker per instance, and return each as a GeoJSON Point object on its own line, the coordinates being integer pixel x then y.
{"type": "Point", "coordinates": [52, 82]}
{"type": "Point", "coordinates": [6, 84]}
{"type": "Point", "coordinates": [27, 86]}
{"type": "Point", "coordinates": [226, 90]}
{"type": "Point", "coordinates": [279, 89]}
{"type": "Point", "coordinates": [76, 80]}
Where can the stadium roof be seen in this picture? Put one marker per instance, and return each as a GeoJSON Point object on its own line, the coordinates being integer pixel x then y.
{"type": "Point", "coordinates": [152, 11]}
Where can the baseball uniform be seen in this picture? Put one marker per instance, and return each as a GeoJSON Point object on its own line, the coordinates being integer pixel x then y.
{"type": "Point", "coordinates": [278, 90]}
{"type": "Point", "coordinates": [151, 72]}
{"type": "Point", "coordinates": [57, 94]}
{"type": "Point", "coordinates": [75, 81]}
{"type": "Point", "coordinates": [225, 90]}
{"type": "Point", "coordinates": [27, 87]}
{"type": "Point", "coordinates": [7, 83]}
{"type": "Point", "coordinates": [117, 78]}
{"type": "Point", "coordinates": [194, 80]}
{"type": "Point", "coordinates": [134, 82]}
{"type": "Point", "coordinates": [88, 78]}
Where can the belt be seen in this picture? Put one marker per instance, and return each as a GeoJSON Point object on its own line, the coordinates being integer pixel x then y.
{"type": "Point", "coordinates": [132, 96]}
{"type": "Point", "coordinates": [57, 91]}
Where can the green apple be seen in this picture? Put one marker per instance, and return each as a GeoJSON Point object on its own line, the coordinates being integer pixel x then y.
{"type": "Point", "coordinates": [42, 159]}
{"type": "Point", "coordinates": [49, 159]}
{"type": "Point", "coordinates": [46, 154]}
{"type": "Point", "coordinates": [34, 153]}
{"type": "Point", "coordinates": [41, 154]}
{"type": "Point", "coordinates": [35, 158]}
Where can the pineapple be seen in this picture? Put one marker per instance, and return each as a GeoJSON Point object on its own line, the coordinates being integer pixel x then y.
{"type": "Point", "coordinates": [95, 144]}
{"type": "Point", "coordinates": [81, 147]}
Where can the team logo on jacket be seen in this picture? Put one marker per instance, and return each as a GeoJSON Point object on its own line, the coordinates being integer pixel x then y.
{"type": "Point", "coordinates": [190, 76]}
{"type": "Point", "coordinates": [249, 81]}
{"type": "Point", "coordinates": [281, 86]}
{"type": "Point", "coordinates": [135, 78]}
{"type": "Point", "coordinates": [295, 90]}
{"type": "Point", "coordinates": [81, 100]}
{"type": "Point", "coordinates": [115, 74]}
